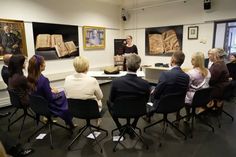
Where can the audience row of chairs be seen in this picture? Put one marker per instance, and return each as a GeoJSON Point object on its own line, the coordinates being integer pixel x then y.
{"type": "Point", "coordinates": [127, 107]}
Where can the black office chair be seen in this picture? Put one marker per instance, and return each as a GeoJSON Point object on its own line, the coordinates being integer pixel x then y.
{"type": "Point", "coordinates": [88, 110]}
{"type": "Point", "coordinates": [41, 108]}
{"type": "Point", "coordinates": [170, 103]}
{"type": "Point", "coordinates": [227, 95]}
{"type": "Point", "coordinates": [128, 107]}
{"type": "Point", "coordinates": [200, 99]}
{"type": "Point", "coordinates": [16, 103]}
{"type": "Point", "coordinates": [232, 70]}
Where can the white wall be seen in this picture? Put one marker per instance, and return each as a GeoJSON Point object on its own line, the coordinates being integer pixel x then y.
{"type": "Point", "coordinates": [180, 13]}
{"type": "Point", "coordinates": [73, 12]}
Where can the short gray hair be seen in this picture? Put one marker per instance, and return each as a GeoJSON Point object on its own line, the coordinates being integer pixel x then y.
{"type": "Point", "coordinates": [133, 62]}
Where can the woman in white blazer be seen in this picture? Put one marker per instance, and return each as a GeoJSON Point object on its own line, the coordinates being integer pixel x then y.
{"type": "Point", "coordinates": [82, 86]}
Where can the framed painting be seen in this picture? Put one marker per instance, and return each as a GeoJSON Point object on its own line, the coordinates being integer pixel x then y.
{"type": "Point", "coordinates": [94, 37]}
{"type": "Point", "coordinates": [163, 41]}
{"type": "Point", "coordinates": [193, 32]}
{"type": "Point", "coordinates": [12, 37]}
{"type": "Point", "coordinates": [56, 41]}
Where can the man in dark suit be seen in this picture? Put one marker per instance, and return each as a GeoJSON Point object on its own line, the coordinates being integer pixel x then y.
{"type": "Point", "coordinates": [206, 62]}
{"type": "Point", "coordinates": [129, 84]}
{"type": "Point", "coordinates": [172, 81]}
{"type": "Point", "coordinates": [10, 43]}
{"type": "Point", "coordinates": [4, 72]}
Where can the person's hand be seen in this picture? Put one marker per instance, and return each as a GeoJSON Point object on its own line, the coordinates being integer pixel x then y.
{"type": "Point", "coordinates": [54, 90]}
{"type": "Point", "coordinates": [15, 46]}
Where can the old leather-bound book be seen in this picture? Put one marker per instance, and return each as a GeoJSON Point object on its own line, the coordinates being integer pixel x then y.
{"type": "Point", "coordinates": [43, 41]}
{"type": "Point", "coordinates": [171, 43]}
{"type": "Point", "coordinates": [61, 49]}
{"type": "Point", "coordinates": [56, 39]}
{"type": "Point", "coordinates": [111, 70]}
{"type": "Point", "coordinates": [70, 46]}
{"type": "Point", "coordinates": [156, 44]}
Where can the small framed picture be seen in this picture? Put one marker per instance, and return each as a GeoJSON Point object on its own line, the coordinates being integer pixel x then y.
{"type": "Point", "coordinates": [193, 32]}
{"type": "Point", "coordinates": [94, 37]}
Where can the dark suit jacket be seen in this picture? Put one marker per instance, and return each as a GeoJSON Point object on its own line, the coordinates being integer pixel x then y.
{"type": "Point", "coordinates": [8, 40]}
{"type": "Point", "coordinates": [232, 70]}
{"type": "Point", "coordinates": [206, 61]}
{"type": "Point", "coordinates": [173, 81]}
{"type": "Point", "coordinates": [129, 84]}
{"type": "Point", "coordinates": [5, 74]}
{"type": "Point", "coordinates": [219, 78]}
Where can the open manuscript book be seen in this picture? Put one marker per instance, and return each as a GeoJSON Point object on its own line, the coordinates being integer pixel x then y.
{"type": "Point", "coordinates": [166, 42]}
{"type": "Point", "coordinates": [47, 41]}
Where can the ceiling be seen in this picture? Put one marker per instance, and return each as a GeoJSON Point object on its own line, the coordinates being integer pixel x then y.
{"type": "Point", "coordinates": [138, 3]}
{"type": "Point", "coordinates": [132, 4]}
{"type": "Point", "coordinates": [115, 2]}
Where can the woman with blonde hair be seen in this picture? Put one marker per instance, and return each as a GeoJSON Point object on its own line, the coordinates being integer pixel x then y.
{"type": "Point", "coordinates": [199, 77]}
{"type": "Point", "coordinates": [82, 86]}
{"type": "Point", "coordinates": [219, 75]}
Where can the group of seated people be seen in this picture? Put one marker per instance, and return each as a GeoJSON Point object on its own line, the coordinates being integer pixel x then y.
{"type": "Point", "coordinates": [81, 86]}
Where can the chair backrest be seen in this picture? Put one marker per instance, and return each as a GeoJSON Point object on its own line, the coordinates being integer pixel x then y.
{"type": "Point", "coordinates": [232, 70]}
{"type": "Point", "coordinates": [129, 106]}
{"type": "Point", "coordinates": [85, 109]}
{"type": "Point", "coordinates": [40, 105]}
{"type": "Point", "coordinates": [15, 98]}
{"type": "Point", "coordinates": [228, 91]}
{"type": "Point", "coordinates": [202, 97]}
{"type": "Point", "coordinates": [171, 103]}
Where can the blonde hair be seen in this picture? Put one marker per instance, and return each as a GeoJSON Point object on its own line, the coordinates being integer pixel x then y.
{"type": "Point", "coordinates": [218, 53]}
{"type": "Point", "coordinates": [199, 63]}
{"type": "Point", "coordinates": [81, 64]}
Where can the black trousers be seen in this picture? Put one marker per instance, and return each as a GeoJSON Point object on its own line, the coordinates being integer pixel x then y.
{"type": "Point", "coordinates": [10, 144]}
{"type": "Point", "coordinates": [116, 120]}
{"type": "Point", "coordinates": [118, 124]}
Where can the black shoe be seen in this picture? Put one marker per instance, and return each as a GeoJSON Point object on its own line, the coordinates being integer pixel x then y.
{"type": "Point", "coordinates": [73, 127]}
{"type": "Point", "coordinates": [25, 152]}
{"type": "Point", "coordinates": [147, 119]}
{"type": "Point", "coordinates": [4, 114]}
{"type": "Point", "coordinates": [121, 130]}
{"type": "Point", "coordinates": [176, 123]}
{"type": "Point", "coordinates": [131, 133]}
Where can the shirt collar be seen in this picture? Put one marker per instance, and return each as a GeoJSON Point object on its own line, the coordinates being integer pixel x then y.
{"type": "Point", "coordinates": [175, 66]}
{"type": "Point", "coordinates": [133, 73]}
{"type": "Point", "coordinates": [80, 75]}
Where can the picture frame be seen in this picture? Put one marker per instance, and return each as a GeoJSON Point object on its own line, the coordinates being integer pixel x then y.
{"type": "Point", "coordinates": [94, 37]}
{"type": "Point", "coordinates": [163, 41]}
{"type": "Point", "coordinates": [193, 32]}
{"type": "Point", "coordinates": [56, 41]}
{"type": "Point", "coordinates": [14, 31]}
